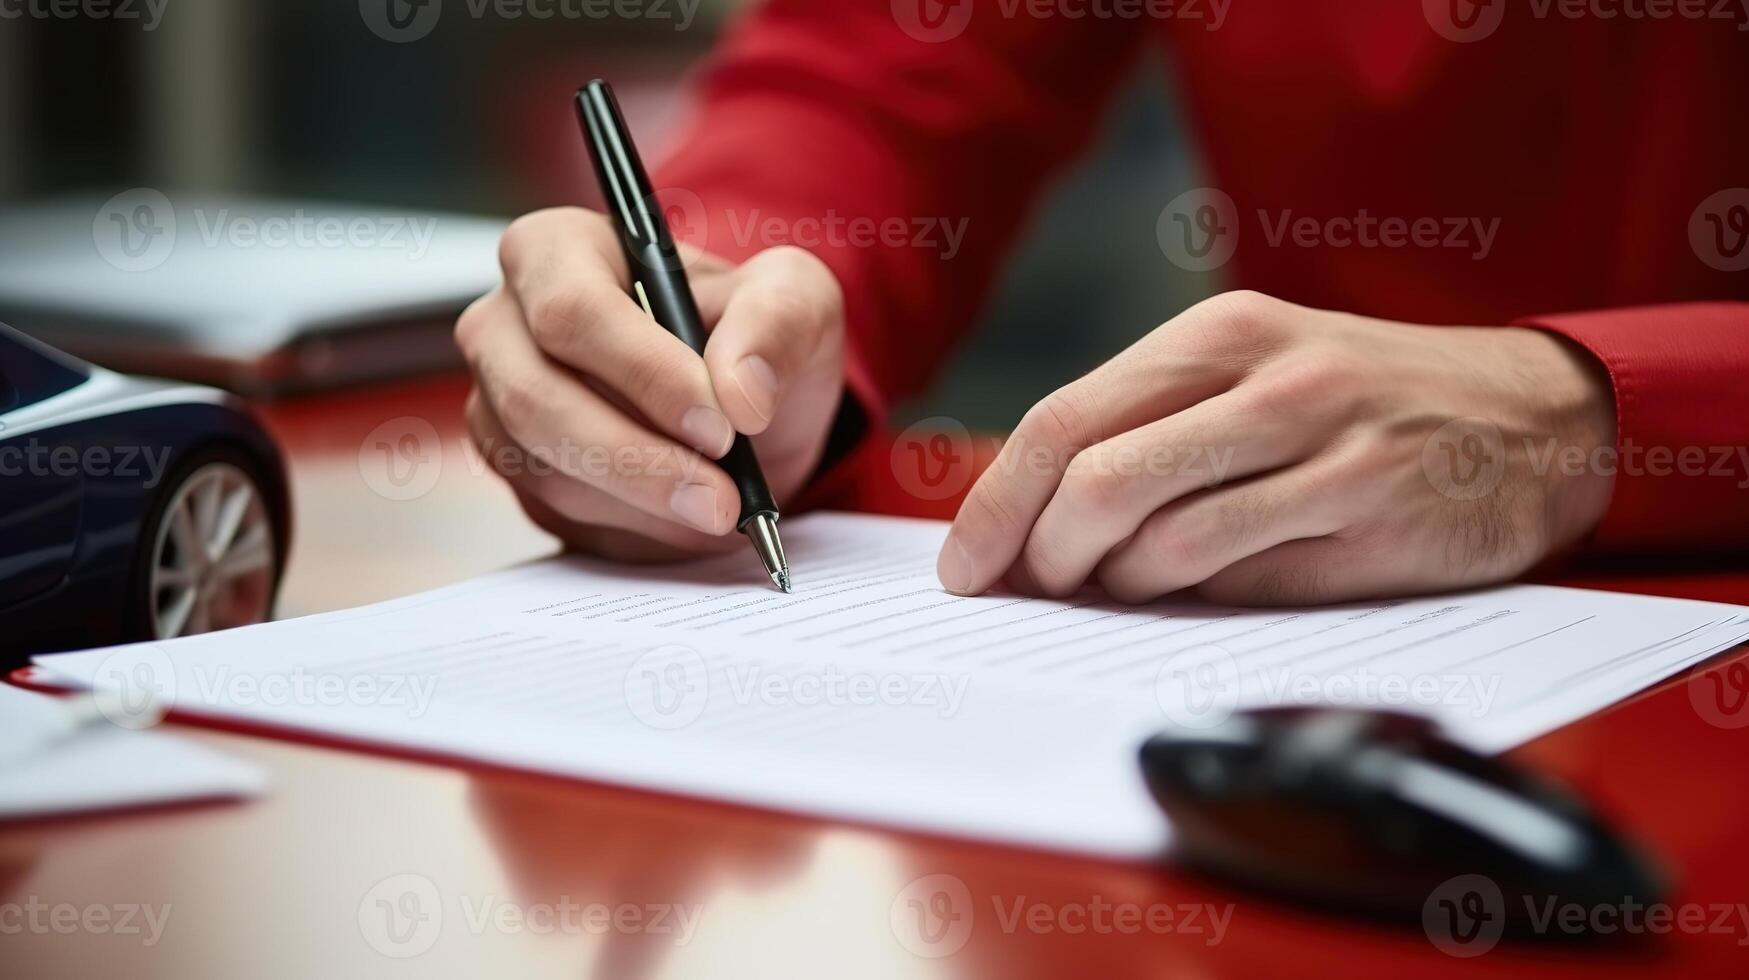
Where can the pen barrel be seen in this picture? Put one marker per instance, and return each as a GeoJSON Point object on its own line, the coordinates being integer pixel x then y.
{"type": "Point", "coordinates": [662, 277]}
{"type": "Point", "coordinates": [671, 304]}
{"type": "Point", "coordinates": [657, 272]}
{"type": "Point", "coordinates": [750, 480]}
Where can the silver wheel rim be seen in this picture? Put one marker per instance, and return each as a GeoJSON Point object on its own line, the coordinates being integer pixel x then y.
{"type": "Point", "coordinates": [212, 564]}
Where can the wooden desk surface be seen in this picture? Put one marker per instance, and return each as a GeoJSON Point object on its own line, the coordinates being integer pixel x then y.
{"type": "Point", "coordinates": [365, 866]}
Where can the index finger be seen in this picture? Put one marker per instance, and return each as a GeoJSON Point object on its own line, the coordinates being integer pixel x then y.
{"type": "Point", "coordinates": [568, 275]}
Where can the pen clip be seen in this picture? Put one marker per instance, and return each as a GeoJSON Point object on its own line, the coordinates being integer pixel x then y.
{"type": "Point", "coordinates": [643, 297]}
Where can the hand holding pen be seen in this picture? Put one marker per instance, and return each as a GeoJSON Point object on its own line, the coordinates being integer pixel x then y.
{"type": "Point", "coordinates": [607, 426]}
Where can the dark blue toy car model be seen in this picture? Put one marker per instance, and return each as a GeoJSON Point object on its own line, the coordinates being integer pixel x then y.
{"type": "Point", "coordinates": [130, 509]}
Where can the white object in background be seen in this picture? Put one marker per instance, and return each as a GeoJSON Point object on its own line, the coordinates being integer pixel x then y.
{"type": "Point", "coordinates": [65, 757]}
{"type": "Point", "coordinates": [260, 296]}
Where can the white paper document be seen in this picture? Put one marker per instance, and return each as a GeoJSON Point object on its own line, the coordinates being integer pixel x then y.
{"type": "Point", "coordinates": [873, 696]}
{"type": "Point", "coordinates": [107, 767]}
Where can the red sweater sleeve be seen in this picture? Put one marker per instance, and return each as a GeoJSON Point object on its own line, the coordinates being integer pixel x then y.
{"type": "Point", "coordinates": [901, 151]}
{"type": "Point", "coordinates": [1681, 378]}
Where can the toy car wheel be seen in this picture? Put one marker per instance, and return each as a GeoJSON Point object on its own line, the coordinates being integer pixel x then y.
{"type": "Point", "coordinates": [212, 558]}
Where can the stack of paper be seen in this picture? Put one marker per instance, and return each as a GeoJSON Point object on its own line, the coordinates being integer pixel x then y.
{"type": "Point", "coordinates": [871, 695]}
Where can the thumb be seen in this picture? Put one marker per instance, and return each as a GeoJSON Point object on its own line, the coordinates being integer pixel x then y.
{"type": "Point", "coordinates": [786, 305]}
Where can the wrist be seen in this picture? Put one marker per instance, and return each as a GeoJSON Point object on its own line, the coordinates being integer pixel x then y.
{"type": "Point", "coordinates": [1575, 404]}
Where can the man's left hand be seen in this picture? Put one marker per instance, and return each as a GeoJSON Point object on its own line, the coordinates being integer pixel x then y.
{"type": "Point", "coordinates": [1266, 453]}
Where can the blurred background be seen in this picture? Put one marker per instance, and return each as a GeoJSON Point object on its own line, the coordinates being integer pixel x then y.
{"type": "Point", "coordinates": [300, 99]}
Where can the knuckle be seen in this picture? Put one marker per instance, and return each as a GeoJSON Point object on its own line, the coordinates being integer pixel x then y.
{"type": "Point", "coordinates": [791, 258]}
{"type": "Point", "coordinates": [519, 238]}
{"type": "Point", "coordinates": [558, 319]}
{"type": "Point", "coordinates": [1243, 320]}
{"type": "Point", "coordinates": [1293, 389]}
{"type": "Point", "coordinates": [812, 269]}
{"type": "Point", "coordinates": [1093, 485]}
{"type": "Point", "coordinates": [992, 510]}
{"type": "Point", "coordinates": [469, 328]}
{"type": "Point", "coordinates": [1360, 469]}
{"type": "Point", "coordinates": [787, 261]}
{"type": "Point", "coordinates": [1323, 373]}
{"type": "Point", "coordinates": [1268, 399]}
{"type": "Point", "coordinates": [583, 224]}
{"type": "Point", "coordinates": [1168, 544]}
{"type": "Point", "coordinates": [524, 238]}
{"type": "Point", "coordinates": [1243, 306]}
{"type": "Point", "coordinates": [520, 403]}
{"type": "Point", "coordinates": [1058, 420]}
{"type": "Point", "coordinates": [789, 312]}
{"type": "Point", "coordinates": [514, 243]}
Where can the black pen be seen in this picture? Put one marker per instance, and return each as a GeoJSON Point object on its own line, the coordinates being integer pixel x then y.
{"type": "Point", "coordinates": [659, 284]}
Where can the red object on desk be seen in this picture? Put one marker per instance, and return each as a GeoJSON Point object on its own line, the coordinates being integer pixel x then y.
{"type": "Point", "coordinates": [304, 882]}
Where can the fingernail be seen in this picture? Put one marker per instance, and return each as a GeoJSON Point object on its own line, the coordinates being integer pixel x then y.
{"type": "Point", "coordinates": [708, 431]}
{"type": "Point", "coordinates": [758, 385]}
{"type": "Point", "coordinates": [954, 567]}
{"type": "Point", "coordinates": [696, 504]}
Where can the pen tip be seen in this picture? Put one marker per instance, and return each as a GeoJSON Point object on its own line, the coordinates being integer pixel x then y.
{"type": "Point", "coordinates": [762, 531]}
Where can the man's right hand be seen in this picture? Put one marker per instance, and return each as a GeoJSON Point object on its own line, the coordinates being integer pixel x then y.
{"type": "Point", "coordinates": [605, 424]}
